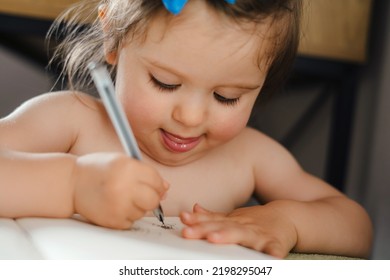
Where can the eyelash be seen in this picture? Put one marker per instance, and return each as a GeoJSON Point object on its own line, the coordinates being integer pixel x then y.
{"type": "Point", "coordinates": [161, 86]}
{"type": "Point", "coordinates": [226, 101]}
{"type": "Point", "coordinates": [169, 88]}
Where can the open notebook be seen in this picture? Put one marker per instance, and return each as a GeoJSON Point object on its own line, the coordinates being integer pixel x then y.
{"type": "Point", "coordinates": [60, 239]}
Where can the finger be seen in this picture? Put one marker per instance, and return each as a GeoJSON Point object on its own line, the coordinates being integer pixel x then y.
{"type": "Point", "coordinates": [199, 209]}
{"type": "Point", "coordinates": [201, 231]}
{"type": "Point", "coordinates": [196, 218]}
{"type": "Point", "coordinates": [190, 219]}
{"type": "Point", "coordinates": [203, 214]}
{"type": "Point", "coordinates": [166, 185]}
{"type": "Point", "coordinates": [135, 213]}
{"type": "Point", "coordinates": [186, 218]}
{"type": "Point", "coordinates": [149, 176]}
{"type": "Point", "coordinates": [164, 192]}
{"type": "Point", "coordinates": [230, 233]}
{"type": "Point", "coordinates": [118, 224]}
{"type": "Point", "coordinates": [146, 198]}
{"type": "Point", "coordinates": [275, 249]}
{"type": "Point", "coordinates": [248, 238]}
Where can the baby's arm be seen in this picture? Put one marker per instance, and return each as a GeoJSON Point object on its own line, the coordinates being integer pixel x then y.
{"type": "Point", "coordinates": [41, 178]}
{"type": "Point", "coordinates": [301, 212]}
{"type": "Point", "coordinates": [35, 184]}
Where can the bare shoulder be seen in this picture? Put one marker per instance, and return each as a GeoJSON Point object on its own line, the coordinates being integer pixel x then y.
{"type": "Point", "coordinates": [278, 175]}
{"type": "Point", "coordinates": [266, 154]}
{"type": "Point", "coordinates": [259, 151]}
{"type": "Point", "coordinates": [55, 107]}
{"type": "Point", "coordinates": [49, 120]}
{"type": "Point", "coordinates": [250, 134]}
{"type": "Point", "coordinates": [56, 100]}
{"type": "Point", "coordinates": [256, 141]}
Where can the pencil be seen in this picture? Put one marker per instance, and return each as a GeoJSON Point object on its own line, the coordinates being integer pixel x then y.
{"type": "Point", "coordinates": [106, 90]}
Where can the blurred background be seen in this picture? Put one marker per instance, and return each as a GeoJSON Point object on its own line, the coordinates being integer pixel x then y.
{"type": "Point", "coordinates": [333, 115]}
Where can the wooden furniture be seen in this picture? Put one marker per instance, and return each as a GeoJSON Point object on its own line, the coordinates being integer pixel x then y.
{"type": "Point", "coordinates": [41, 9]}
{"type": "Point", "coordinates": [336, 29]}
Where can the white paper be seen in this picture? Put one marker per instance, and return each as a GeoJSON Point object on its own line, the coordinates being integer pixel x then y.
{"type": "Point", "coordinates": [75, 239]}
{"type": "Point", "coordinates": [15, 243]}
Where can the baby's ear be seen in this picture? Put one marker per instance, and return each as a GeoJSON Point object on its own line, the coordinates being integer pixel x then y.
{"type": "Point", "coordinates": [110, 51]}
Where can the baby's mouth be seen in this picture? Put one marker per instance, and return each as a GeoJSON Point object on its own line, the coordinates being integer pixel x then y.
{"type": "Point", "coordinates": [179, 144]}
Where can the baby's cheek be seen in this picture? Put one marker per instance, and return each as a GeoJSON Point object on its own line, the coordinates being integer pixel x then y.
{"type": "Point", "coordinates": [142, 112]}
{"type": "Point", "coordinates": [228, 130]}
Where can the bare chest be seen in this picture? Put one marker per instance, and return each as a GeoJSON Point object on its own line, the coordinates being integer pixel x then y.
{"type": "Point", "coordinates": [218, 187]}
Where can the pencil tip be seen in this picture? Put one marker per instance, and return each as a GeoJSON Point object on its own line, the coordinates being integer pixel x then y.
{"type": "Point", "coordinates": [161, 218]}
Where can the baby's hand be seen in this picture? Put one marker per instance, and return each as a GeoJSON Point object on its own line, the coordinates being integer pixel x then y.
{"type": "Point", "coordinates": [114, 190]}
{"type": "Point", "coordinates": [260, 227]}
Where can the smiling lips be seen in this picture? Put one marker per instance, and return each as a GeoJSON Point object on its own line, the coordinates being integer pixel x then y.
{"type": "Point", "coordinates": [179, 144]}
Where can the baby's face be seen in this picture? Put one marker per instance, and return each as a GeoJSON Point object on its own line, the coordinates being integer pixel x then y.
{"type": "Point", "coordinates": [191, 84]}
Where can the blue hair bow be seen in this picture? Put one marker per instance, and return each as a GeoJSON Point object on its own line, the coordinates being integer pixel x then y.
{"type": "Point", "coordinates": [175, 6]}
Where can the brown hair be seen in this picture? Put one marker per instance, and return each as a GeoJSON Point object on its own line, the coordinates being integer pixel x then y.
{"type": "Point", "coordinates": [82, 36]}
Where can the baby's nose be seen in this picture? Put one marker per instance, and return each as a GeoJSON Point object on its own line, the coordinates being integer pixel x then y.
{"type": "Point", "coordinates": [190, 112]}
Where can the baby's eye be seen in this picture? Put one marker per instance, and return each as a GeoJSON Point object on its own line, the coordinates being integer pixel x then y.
{"type": "Point", "coordinates": [226, 101]}
{"type": "Point", "coordinates": [163, 86]}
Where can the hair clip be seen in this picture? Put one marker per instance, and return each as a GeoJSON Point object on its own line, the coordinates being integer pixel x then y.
{"type": "Point", "coordinates": [175, 6]}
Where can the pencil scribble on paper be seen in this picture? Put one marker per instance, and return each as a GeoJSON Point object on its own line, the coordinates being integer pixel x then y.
{"type": "Point", "coordinates": [165, 226]}
{"type": "Point", "coordinates": [152, 228]}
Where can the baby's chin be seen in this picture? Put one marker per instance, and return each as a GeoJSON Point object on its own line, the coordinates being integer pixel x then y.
{"type": "Point", "coordinates": [171, 159]}
{"type": "Point", "coordinates": [174, 162]}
